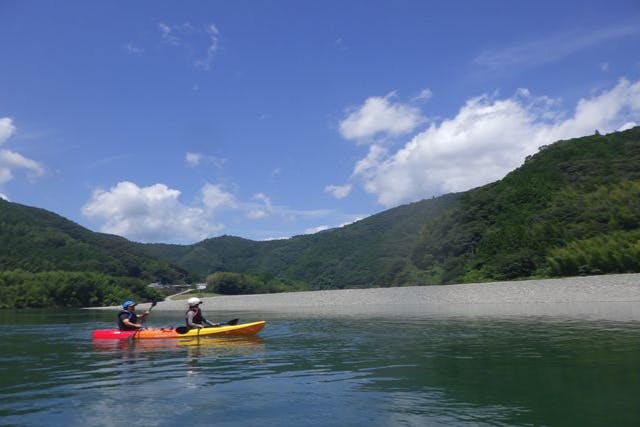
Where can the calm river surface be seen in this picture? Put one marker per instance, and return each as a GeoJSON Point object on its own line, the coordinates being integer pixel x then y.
{"type": "Point", "coordinates": [392, 370]}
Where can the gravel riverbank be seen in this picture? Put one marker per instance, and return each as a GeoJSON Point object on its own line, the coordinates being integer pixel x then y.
{"type": "Point", "coordinates": [608, 296]}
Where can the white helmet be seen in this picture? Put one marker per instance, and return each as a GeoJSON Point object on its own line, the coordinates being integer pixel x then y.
{"type": "Point", "coordinates": [193, 301]}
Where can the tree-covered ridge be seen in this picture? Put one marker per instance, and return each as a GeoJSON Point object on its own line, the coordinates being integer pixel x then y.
{"type": "Point", "coordinates": [247, 283]}
{"type": "Point", "coordinates": [580, 193]}
{"type": "Point", "coordinates": [372, 252]}
{"type": "Point", "coordinates": [23, 289]}
{"type": "Point", "coordinates": [35, 240]}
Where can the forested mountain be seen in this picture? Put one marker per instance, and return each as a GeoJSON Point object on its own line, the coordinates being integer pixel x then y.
{"type": "Point", "coordinates": [375, 251]}
{"type": "Point", "coordinates": [37, 240]}
{"type": "Point", "coordinates": [41, 253]}
{"type": "Point", "coordinates": [572, 208]}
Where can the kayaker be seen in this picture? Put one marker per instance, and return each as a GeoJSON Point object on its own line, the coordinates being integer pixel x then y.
{"type": "Point", "coordinates": [194, 316]}
{"type": "Point", "coordinates": [128, 319]}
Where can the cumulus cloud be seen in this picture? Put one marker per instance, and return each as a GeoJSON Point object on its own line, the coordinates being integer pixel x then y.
{"type": "Point", "coordinates": [338, 191]}
{"type": "Point", "coordinates": [379, 116]}
{"type": "Point", "coordinates": [485, 140]}
{"type": "Point", "coordinates": [149, 214]}
{"type": "Point", "coordinates": [156, 214]}
{"type": "Point", "coordinates": [10, 161]}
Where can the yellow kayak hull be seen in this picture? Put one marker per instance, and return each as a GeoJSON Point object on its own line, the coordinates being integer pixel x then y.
{"type": "Point", "coordinates": [155, 333]}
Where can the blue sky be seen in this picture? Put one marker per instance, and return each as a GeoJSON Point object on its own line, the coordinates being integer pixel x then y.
{"type": "Point", "coordinates": [177, 121]}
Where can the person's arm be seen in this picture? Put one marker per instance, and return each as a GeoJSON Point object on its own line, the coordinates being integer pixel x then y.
{"type": "Point", "coordinates": [143, 315]}
{"type": "Point", "coordinates": [128, 322]}
{"type": "Point", "coordinates": [190, 322]}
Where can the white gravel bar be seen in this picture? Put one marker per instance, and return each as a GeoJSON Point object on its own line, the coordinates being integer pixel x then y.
{"type": "Point", "coordinates": [606, 296]}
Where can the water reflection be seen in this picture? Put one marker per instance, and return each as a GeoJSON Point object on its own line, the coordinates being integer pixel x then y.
{"type": "Point", "coordinates": [330, 370]}
{"type": "Point", "coordinates": [204, 345]}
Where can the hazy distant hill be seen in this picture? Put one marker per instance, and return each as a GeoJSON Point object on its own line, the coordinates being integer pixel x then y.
{"type": "Point", "coordinates": [375, 251]}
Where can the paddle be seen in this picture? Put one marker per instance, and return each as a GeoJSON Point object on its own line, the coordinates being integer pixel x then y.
{"type": "Point", "coordinates": [153, 304]}
{"type": "Point", "coordinates": [183, 329]}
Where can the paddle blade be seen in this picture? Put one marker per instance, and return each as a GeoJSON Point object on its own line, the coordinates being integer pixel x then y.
{"type": "Point", "coordinates": [232, 322]}
{"type": "Point", "coordinates": [182, 329]}
{"type": "Point", "coordinates": [154, 303]}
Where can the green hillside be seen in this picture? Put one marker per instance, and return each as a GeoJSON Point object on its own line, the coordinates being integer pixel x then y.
{"type": "Point", "coordinates": [573, 208]}
{"type": "Point", "coordinates": [375, 251]}
{"type": "Point", "coordinates": [37, 243]}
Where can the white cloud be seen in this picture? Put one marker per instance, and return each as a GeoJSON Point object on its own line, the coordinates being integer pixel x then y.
{"type": "Point", "coordinates": [487, 139]}
{"type": "Point", "coordinates": [317, 229]}
{"type": "Point", "coordinates": [193, 159]}
{"type": "Point", "coordinates": [424, 95]}
{"type": "Point", "coordinates": [378, 116]}
{"type": "Point", "coordinates": [4, 197]}
{"type": "Point", "coordinates": [214, 197]}
{"type": "Point", "coordinates": [11, 161]}
{"type": "Point", "coordinates": [627, 126]}
{"type": "Point", "coordinates": [149, 214]}
{"type": "Point", "coordinates": [368, 164]}
{"type": "Point", "coordinates": [338, 191]}
{"type": "Point", "coordinates": [7, 129]}
{"type": "Point", "coordinates": [197, 159]}
{"type": "Point", "coordinates": [156, 214]}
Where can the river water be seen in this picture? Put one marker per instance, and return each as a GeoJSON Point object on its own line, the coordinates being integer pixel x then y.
{"type": "Point", "coordinates": [324, 370]}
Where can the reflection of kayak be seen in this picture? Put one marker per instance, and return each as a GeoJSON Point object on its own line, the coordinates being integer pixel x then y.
{"type": "Point", "coordinates": [241, 329]}
{"type": "Point", "coordinates": [219, 345]}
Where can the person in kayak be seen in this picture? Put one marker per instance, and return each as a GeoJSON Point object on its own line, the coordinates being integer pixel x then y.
{"type": "Point", "coordinates": [194, 316]}
{"type": "Point", "coordinates": [128, 319]}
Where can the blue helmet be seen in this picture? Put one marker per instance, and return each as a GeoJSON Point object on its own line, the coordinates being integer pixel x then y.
{"type": "Point", "coordinates": [126, 304]}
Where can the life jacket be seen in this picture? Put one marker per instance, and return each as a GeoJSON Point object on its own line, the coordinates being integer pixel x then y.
{"type": "Point", "coordinates": [126, 314]}
{"type": "Point", "coordinates": [197, 317]}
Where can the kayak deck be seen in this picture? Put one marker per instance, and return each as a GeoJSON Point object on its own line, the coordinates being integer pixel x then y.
{"type": "Point", "coordinates": [241, 329]}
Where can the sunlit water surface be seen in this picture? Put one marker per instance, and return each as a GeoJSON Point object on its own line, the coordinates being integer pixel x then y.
{"type": "Point", "coordinates": [323, 370]}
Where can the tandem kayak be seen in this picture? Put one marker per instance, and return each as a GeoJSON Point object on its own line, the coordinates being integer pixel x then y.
{"type": "Point", "coordinates": [241, 329]}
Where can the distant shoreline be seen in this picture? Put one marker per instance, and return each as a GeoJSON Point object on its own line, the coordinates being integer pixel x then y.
{"type": "Point", "coordinates": [616, 295]}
